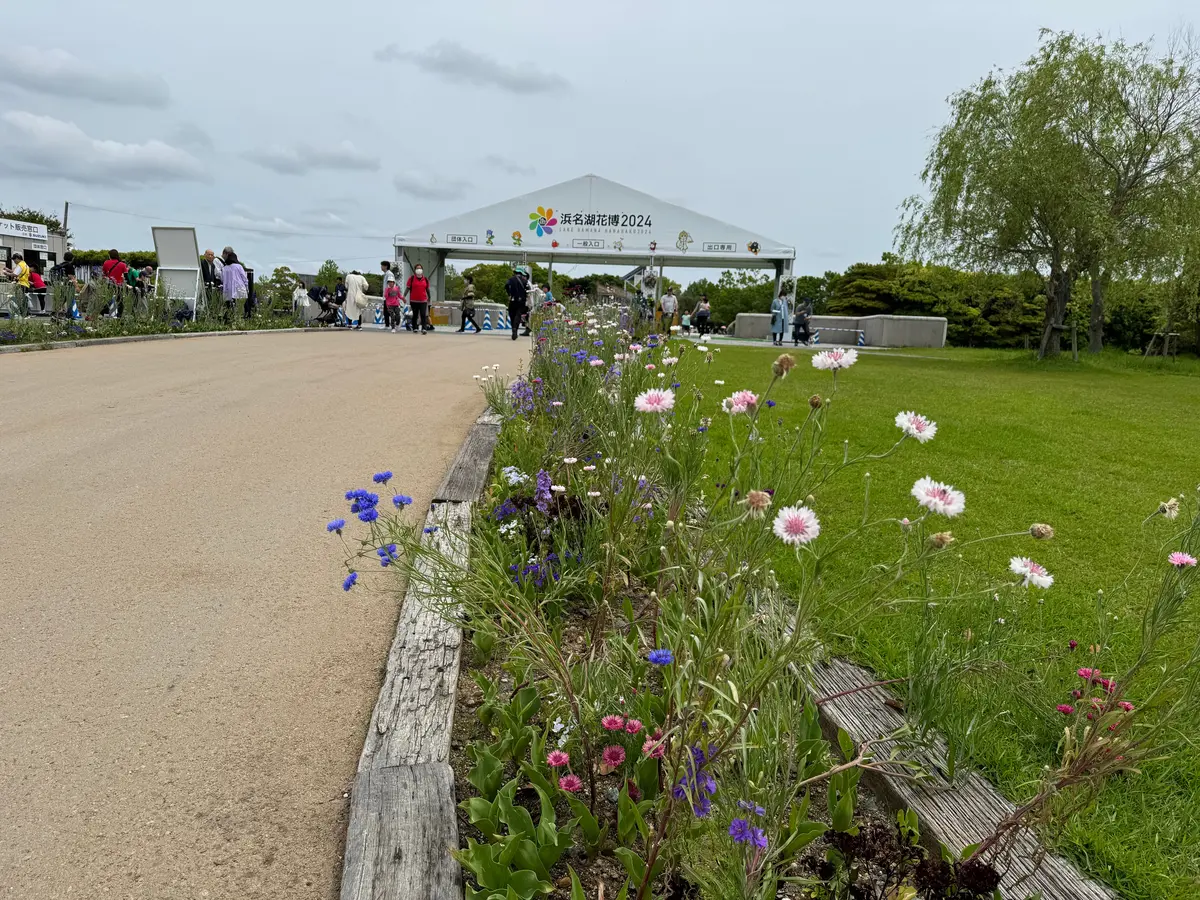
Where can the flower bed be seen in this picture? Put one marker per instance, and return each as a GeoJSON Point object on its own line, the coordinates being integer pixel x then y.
{"type": "Point", "coordinates": [635, 718]}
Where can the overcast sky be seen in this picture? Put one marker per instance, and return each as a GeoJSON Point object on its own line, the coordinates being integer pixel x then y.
{"type": "Point", "coordinates": [325, 128]}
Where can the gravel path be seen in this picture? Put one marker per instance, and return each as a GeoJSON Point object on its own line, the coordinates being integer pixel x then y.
{"type": "Point", "coordinates": [184, 686]}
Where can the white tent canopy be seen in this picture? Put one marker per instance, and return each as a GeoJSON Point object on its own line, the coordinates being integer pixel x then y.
{"type": "Point", "coordinates": [589, 220]}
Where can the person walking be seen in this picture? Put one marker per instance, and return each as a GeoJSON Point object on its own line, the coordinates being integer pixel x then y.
{"type": "Point", "coordinates": [669, 305]}
{"type": "Point", "coordinates": [235, 285]}
{"type": "Point", "coordinates": [800, 321]}
{"type": "Point", "coordinates": [779, 319]}
{"type": "Point", "coordinates": [468, 305]}
{"type": "Point", "coordinates": [393, 298]}
{"type": "Point", "coordinates": [701, 314]}
{"type": "Point", "coordinates": [417, 293]}
{"type": "Point", "coordinates": [114, 270]}
{"type": "Point", "coordinates": [356, 298]}
{"type": "Point", "coordinates": [517, 289]}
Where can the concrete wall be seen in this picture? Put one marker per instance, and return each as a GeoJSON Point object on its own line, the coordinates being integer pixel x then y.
{"type": "Point", "coordinates": [879, 331]}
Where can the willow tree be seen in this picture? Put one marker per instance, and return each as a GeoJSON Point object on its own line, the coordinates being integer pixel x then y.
{"type": "Point", "coordinates": [1068, 165]}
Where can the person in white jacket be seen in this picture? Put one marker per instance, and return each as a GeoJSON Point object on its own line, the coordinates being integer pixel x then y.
{"type": "Point", "coordinates": [356, 298]}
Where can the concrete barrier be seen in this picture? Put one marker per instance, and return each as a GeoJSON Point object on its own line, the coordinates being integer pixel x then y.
{"type": "Point", "coordinates": [879, 331]}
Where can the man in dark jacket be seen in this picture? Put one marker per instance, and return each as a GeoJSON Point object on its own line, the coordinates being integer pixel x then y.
{"type": "Point", "coordinates": [517, 289]}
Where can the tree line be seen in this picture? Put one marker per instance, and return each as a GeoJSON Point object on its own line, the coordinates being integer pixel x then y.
{"type": "Point", "coordinates": [1081, 165]}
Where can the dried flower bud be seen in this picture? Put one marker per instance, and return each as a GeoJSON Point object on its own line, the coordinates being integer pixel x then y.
{"type": "Point", "coordinates": [810, 500]}
{"type": "Point", "coordinates": [968, 635]}
{"type": "Point", "coordinates": [1169, 508]}
{"type": "Point", "coordinates": [941, 540]}
{"type": "Point", "coordinates": [1041, 532]}
{"type": "Point", "coordinates": [758, 502]}
{"type": "Point", "coordinates": [815, 401]}
{"type": "Point", "coordinates": [784, 364]}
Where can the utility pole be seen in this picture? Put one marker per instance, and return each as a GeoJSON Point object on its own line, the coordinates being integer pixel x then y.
{"type": "Point", "coordinates": [66, 213]}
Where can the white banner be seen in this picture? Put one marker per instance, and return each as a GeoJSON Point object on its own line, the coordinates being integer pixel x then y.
{"type": "Point", "coordinates": [30, 231]}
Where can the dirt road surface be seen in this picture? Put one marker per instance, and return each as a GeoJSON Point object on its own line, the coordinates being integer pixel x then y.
{"type": "Point", "coordinates": [184, 687]}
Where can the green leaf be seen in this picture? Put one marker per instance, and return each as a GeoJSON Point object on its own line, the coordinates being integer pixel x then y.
{"type": "Point", "coordinates": [528, 856]}
{"type": "Point", "coordinates": [968, 851]}
{"type": "Point", "coordinates": [633, 864]}
{"type": "Point", "coordinates": [630, 819]}
{"type": "Point", "coordinates": [487, 774]}
{"type": "Point", "coordinates": [517, 818]}
{"type": "Point", "coordinates": [846, 744]}
{"type": "Point", "coordinates": [526, 883]}
{"type": "Point", "coordinates": [587, 822]}
{"type": "Point", "coordinates": [646, 776]}
{"type": "Point", "coordinates": [800, 836]}
{"type": "Point", "coordinates": [576, 887]}
{"type": "Point", "coordinates": [482, 815]}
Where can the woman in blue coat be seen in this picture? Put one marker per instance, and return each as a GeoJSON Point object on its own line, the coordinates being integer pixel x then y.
{"type": "Point", "coordinates": [779, 319]}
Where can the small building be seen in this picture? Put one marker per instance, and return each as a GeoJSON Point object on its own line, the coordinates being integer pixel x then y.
{"type": "Point", "coordinates": [41, 248]}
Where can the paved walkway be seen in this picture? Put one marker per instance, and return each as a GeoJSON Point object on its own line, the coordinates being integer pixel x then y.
{"type": "Point", "coordinates": [184, 686]}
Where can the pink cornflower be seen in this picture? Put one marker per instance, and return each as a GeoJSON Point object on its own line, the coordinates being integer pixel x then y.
{"type": "Point", "coordinates": [1072, 643]}
{"type": "Point", "coordinates": [1097, 703]}
{"type": "Point", "coordinates": [556, 403]}
{"type": "Point", "coordinates": [570, 783]}
{"type": "Point", "coordinates": [557, 759]}
{"type": "Point", "coordinates": [1031, 572]}
{"type": "Point", "coordinates": [796, 525]}
{"type": "Point", "coordinates": [654, 400]}
{"type": "Point", "coordinates": [633, 726]}
{"type": "Point", "coordinates": [916, 426]}
{"type": "Point", "coordinates": [835, 359]}
{"type": "Point", "coordinates": [1125, 705]}
{"type": "Point", "coordinates": [654, 745]}
{"type": "Point", "coordinates": [1088, 673]}
{"type": "Point", "coordinates": [613, 723]}
{"type": "Point", "coordinates": [939, 498]}
{"type": "Point", "coordinates": [1077, 694]}
{"type": "Point", "coordinates": [740, 402]}
{"type": "Point", "coordinates": [1181, 560]}
{"type": "Point", "coordinates": [635, 348]}
{"type": "Point", "coordinates": [1109, 686]}
{"type": "Point", "coordinates": [613, 756]}
{"type": "Point", "coordinates": [1065, 708]}
{"type": "Point", "coordinates": [650, 367]}
{"type": "Point", "coordinates": [596, 363]}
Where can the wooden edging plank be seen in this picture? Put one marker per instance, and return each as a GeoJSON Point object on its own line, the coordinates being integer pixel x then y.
{"type": "Point", "coordinates": [957, 815]}
{"type": "Point", "coordinates": [403, 817]}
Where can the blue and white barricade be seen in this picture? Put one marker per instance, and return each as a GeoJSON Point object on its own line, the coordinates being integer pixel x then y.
{"type": "Point", "coordinates": [816, 336]}
{"type": "Point", "coordinates": [75, 313]}
{"type": "Point", "coordinates": [862, 339]}
{"type": "Point", "coordinates": [378, 315]}
{"type": "Point", "coordinates": [487, 320]}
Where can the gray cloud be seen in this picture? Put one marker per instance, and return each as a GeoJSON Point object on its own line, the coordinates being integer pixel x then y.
{"type": "Point", "coordinates": [60, 74]}
{"type": "Point", "coordinates": [426, 187]}
{"type": "Point", "coordinates": [302, 159]}
{"type": "Point", "coordinates": [44, 147]}
{"type": "Point", "coordinates": [454, 62]}
{"type": "Point", "coordinates": [508, 166]}
{"type": "Point", "coordinates": [192, 136]}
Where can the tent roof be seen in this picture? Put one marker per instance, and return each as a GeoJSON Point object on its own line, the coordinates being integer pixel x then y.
{"type": "Point", "coordinates": [599, 221]}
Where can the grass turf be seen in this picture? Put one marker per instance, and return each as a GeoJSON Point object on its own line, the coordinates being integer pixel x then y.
{"type": "Point", "coordinates": [1091, 448]}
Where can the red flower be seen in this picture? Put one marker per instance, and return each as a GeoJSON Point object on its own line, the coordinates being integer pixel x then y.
{"type": "Point", "coordinates": [633, 726]}
{"type": "Point", "coordinates": [613, 756]}
{"type": "Point", "coordinates": [570, 783]}
{"type": "Point", "coordinates": [557, 759]}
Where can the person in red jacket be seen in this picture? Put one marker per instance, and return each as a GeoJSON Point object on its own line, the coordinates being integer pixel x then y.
{"type": "Point", "coordinates": [37, 291]}
{"type": "Point", "coordinates": [417, 293]}
{"type": "Point", "coordinates": [114, 270]}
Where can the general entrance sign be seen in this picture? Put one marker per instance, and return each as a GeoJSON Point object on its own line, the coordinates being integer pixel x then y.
{"type": "Point", "coordinates": [592, 219]}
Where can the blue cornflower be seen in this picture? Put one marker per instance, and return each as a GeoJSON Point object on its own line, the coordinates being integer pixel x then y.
{"type": "Point", "coordinates": [369, 515]}
{"type": "Point", "coordinates": [701, 806]}
{"type": "Point", "coordinates": [349, 582]}
{"type": "Point", "coordinates": [759, 838]}
{"type": "Point", "coordinates": [400, 501]}
{"type": "Point", "coordinates": [381, 477]}
{"type": "Point", "coordinates": [740, 831]}
{"type": "Point", "coordinates": [431, 529]}
{"type": "Point", "coordinates": [661, 657]}
{"type": "Point", "coordinates": [770, 404]}
{"type": "Point", "coordinates": [597, 343]}
{"type": "Point", "coordinates": [336, 525]}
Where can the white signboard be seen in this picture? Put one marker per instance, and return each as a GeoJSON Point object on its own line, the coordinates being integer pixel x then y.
{"type": "Point", "coordinates": [178, 264]}
{"type": "Point", "coordinates": [30, 231]}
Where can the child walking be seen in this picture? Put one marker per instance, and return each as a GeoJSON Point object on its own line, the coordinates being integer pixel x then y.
{"type": "Point", "coordinates": [686, 323]}
{"type": "Point", "coordinates": [392, 298]}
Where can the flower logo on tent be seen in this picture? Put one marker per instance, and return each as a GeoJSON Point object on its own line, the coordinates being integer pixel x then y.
{"type": "Point", "coordinates": [753, 247]}
{"type": "Point", "coordinates": [542, 221]}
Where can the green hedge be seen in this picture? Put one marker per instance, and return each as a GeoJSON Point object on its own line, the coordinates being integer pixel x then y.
{"type": "Point", "coordinates": [135, 258]}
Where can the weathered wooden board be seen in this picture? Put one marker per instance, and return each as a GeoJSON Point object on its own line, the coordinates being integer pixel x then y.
{"type": "Point", "coordinates": [958, 814]}
{"type": "Point", "coordinates": [402, 827]}
{"type": "Point", "coordinates": [414, 714]}
{"type": "Point", "coordinates": [490, 418]}
{"type": "Point", "coordinates": [469, 472]}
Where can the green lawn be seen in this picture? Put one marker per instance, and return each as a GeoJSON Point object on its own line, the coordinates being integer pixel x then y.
{"type": "Point", "coordinates": [1090, 448]}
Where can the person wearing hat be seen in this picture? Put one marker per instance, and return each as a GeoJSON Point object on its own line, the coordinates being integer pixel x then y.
{"type": "Point", "coordinates": [517, 289]}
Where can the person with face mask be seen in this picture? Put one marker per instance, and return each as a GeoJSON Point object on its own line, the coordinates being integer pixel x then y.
{"type": "Point", "coordinates": [416, 291]}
